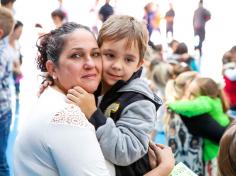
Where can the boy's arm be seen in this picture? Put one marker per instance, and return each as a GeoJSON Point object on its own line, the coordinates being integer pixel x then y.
{"type": "Point", "coordinates": [189, 108]}
{"type": "Point", "coordinates": [126, 141]}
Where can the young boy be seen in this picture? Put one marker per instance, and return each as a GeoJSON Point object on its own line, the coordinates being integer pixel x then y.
{"type": "Point", "coordinates": [126, 106]}
{"type": "Point", "coordinates": [6, 24]}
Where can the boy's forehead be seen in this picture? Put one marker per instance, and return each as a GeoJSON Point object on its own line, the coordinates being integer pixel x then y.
{"type": "Point", "coordinates": [128, 43]}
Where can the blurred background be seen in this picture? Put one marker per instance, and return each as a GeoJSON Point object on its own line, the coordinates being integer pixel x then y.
{"type": "Point", "coordinates": [220, 36]}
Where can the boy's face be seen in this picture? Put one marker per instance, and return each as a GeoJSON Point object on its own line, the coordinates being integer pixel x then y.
{"type": "Point", "coordinates": [119, 62]}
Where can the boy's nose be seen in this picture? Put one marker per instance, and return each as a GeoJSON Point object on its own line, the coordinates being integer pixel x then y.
{"type": "Point", "coordinates": [117, 65]}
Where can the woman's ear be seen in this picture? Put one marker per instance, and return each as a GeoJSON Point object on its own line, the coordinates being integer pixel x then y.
{"type": "Point", "coordinates": [51, 69]}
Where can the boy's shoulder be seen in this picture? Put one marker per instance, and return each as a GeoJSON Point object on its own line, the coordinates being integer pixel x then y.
{"type": "Point", "coordinates": [138, 89]}
{"type": "Point", "coordinates": [138, 85]}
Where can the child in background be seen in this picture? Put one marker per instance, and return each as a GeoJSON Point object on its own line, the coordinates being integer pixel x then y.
{"type": "Point", "coordinates": [6, 25]}
{"type": "Point", "coordinates": [58, 17]}
{"type": "Point", "coordinates": [204, 96]}
{"type": "Point", "coordinates": [229, 74]}
{"type": "Point", "coordinates": [14, 50]}
{"type": "Point", "coordinates": [127, 107]}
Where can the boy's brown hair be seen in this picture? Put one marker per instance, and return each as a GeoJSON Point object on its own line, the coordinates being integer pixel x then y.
{"type": "Point", "coordinates": [118, 27]}
{"type": "Point", "coordinates": [6, 22]}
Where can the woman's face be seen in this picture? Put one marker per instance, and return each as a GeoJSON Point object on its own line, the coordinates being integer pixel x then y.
{"type": "Point", "coordinates": [80, 62]}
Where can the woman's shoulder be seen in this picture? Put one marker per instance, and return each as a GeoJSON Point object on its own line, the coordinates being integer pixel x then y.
{"type": "Point", "coordinates": [71, 115]}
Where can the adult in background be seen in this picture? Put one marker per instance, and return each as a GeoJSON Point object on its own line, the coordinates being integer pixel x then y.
{"type": "Point", "coordinates": [105, 11]}
{"type": "Point", "coordinates": [200, 17]}
{"type": "Point", "coordinates": [170, 14]}
{"type": "Point", "coordinates": [8, 4]}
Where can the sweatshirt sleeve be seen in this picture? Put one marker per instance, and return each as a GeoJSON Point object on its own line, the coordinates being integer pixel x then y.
{"type": "Point", "coordinates": [127, 141]}
{"type": "Point", "coordinates": [98, 118]}
{"type": "Point", "coordinates": [189, 108]}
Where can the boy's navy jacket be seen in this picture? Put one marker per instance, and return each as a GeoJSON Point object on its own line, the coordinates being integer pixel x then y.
{"type": "Point", "coordinates": [123, 121]}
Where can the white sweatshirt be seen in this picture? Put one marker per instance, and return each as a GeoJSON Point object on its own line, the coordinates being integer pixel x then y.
{"type": "Point", "coordinates": [58, 140]}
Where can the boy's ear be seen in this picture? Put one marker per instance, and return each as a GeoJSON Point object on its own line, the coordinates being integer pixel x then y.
{"type": "Point", "coordinates": [1, 33]}
{"type": "Point", "coordinates": [141, 63]}
{"type": "Point", "coordinates": [51, 68]}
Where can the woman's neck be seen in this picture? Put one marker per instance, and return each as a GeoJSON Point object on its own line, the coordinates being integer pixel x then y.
{"type": "Point", "coordinates": [57, 85]}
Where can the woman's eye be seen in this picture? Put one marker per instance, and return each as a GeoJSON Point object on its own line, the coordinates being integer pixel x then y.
{"type": "Point", "coordinates": [96, 54]}
{"type": "Point", "coordinates": [76, 55]}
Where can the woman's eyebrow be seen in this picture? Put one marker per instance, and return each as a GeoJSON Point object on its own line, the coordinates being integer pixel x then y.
{"type": "Point", "coordinates": [83, 49]}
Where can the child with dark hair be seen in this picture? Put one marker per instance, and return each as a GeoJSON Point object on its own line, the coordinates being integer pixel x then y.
{"type": "Point", "coordinates": [58, 17]}
{"type": "Point", "coordinates": [183, 56]}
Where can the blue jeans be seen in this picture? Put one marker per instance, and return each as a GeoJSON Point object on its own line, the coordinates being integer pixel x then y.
{"type": "Point", "coordinates": [5, 122]}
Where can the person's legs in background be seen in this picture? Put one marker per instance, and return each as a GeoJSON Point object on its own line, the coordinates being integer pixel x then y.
{"type": "Point", "coordinates": [5, 122]}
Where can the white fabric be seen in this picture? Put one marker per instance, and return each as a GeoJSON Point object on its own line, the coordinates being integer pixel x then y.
{"type": "Point", "coordinates": [58, 140]}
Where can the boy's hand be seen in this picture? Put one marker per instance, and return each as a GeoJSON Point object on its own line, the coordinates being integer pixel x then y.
{"type": "Point", "coordinates": [83, 99]}
{"type": "Point", "coordinates": [43, 86]}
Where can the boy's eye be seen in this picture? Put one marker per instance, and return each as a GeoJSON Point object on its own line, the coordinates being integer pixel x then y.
{"type": "Point", "coordinates": [129, 60]}
{"type": "Point", "coordinates": [108, 55]}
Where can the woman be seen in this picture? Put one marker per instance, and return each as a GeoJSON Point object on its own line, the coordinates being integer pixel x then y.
{"type": "Point", "coordinates": [58, 139]}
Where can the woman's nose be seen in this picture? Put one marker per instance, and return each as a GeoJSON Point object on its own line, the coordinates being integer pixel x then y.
{"type": "Point", "coordinates": [89, 63]}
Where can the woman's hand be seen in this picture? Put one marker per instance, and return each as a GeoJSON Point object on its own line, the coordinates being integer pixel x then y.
{"type": "Point", "coordinates": [164, 162]}
{"type": "Point", "coordinates": [83, 99]}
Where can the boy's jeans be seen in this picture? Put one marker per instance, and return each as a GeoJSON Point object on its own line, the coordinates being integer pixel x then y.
{"type": "Point", "coordinates": [5, 122]}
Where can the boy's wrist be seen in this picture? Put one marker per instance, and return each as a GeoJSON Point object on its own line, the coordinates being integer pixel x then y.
{"type": "Point", "coordinates": [92, 111]}
{"type": "Point", "coordinates": [97, 118]}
